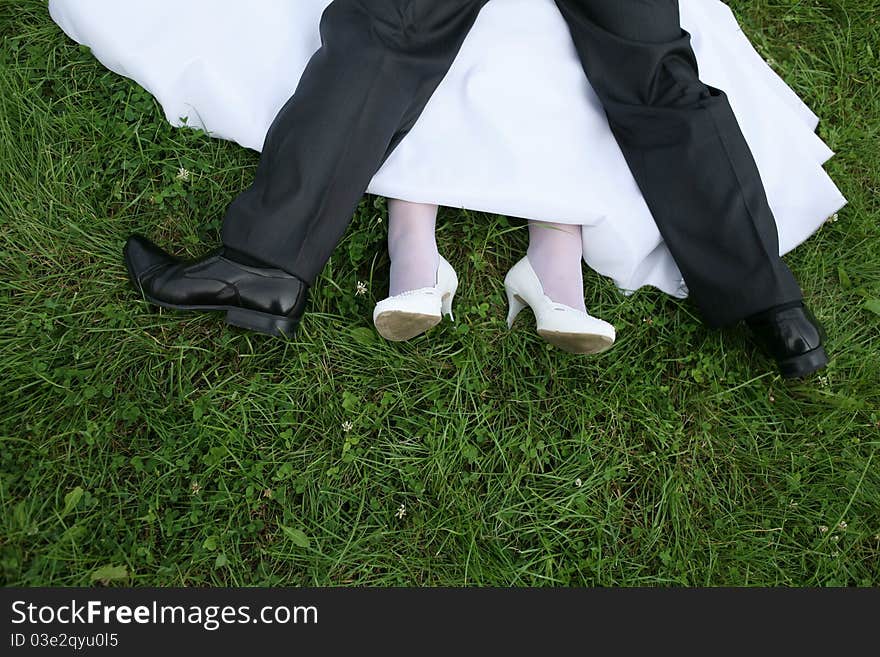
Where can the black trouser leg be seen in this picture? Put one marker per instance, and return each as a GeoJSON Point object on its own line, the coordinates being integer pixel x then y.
{"type": "Point", "coordinates": [379, 64]}
{"type": "Point", "coordinates": [687, 153]}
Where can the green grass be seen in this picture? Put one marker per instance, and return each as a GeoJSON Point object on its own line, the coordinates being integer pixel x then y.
{"type": "Point", "coordinates": [184, 452]}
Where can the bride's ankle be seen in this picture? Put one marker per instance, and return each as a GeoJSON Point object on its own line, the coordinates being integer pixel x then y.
{"type": "Point", "coordinates": [561, 280]}
{"type": "Point", "coordinates": [413, 271]}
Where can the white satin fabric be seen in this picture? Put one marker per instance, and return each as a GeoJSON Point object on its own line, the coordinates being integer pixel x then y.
{"type": "Point", "coordinates": [514, 129]}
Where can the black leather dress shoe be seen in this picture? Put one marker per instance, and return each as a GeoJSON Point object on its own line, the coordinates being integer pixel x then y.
{"type": "Point", "coordinates": [261, 299]}
{"type": "Point", "coordinates": [794, 337]}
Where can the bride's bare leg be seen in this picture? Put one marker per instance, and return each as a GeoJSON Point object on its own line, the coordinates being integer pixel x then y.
{"type": "Point", "coordinates": [412, 246]}
{"type": "Point", "coordinates": [555, 253]}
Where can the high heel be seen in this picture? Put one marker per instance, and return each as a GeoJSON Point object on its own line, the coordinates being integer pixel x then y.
{"type": "Point", "coordinates": [411, 313]}
{"type": "Point", "coordinates": [515, 304]}
{"type": "Point", "coordinates": [446, 304]}
{"type": "Point", "coordinates": [563, 326]}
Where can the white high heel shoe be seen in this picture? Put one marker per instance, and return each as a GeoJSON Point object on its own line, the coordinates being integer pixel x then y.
{"type": "Point", "coordinates": [411, 313]}
{"type": "Point", "coordinates": [563, 326]}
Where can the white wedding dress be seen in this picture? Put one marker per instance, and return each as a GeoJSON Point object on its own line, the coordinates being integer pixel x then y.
{"type": "Point", "coordinates": [514, 129]}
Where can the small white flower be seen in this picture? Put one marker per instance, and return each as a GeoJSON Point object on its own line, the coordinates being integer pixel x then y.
{"type": "Point", "coordinates": [361, 288]}
{"type": "Point", "coordinates": [401, 512]}
{"type": "Point", "coordinates": [347, 426]}
{"type": "Point", "coordinates": [842, 524]}
{"type": "Point", "coordinates": [183, 174]}
{"type": "Point", "coordinates": [822, 529]}
{"type": "Point", "coordinates": [823, 381]}
{"type": "Point", "coordinates": [835, 538]}
{"type": "Point", "coordinates": [578, 482]}
{"type": "Point", "coordinates": [267, 493]}
{"type": "Point", "coordinates": [196, 488]}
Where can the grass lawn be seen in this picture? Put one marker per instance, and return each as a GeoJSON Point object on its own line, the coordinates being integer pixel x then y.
{"type": "Point", "coordinates": [153, 448]}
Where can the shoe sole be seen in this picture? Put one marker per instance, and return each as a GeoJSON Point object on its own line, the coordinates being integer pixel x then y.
{"type": "Point", "coordinates": [397, 326]}
{"type": "Point", "coordinates": [578, 343]}
{"type": "Point", "coordinates": [804, 365]}
{"type": "Point", "coordinates": [253, 320]}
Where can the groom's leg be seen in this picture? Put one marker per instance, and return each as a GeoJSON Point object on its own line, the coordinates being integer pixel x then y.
{"type": "Point", "coordinates": [687, 153]}
{"type": "Point", "coordinates": [379, 64]}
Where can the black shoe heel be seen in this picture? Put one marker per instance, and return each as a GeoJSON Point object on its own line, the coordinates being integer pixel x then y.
{"type": "Point", "coordinates": [261, 322]}
{"type": "Point", "coordinates": [804, 365]}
